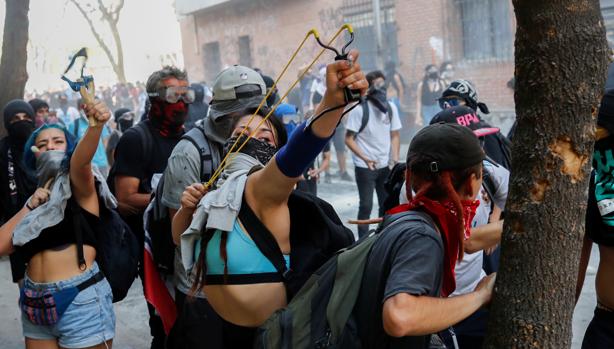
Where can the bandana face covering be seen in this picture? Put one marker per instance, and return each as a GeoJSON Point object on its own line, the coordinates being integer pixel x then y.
{"type": "Point", "coordinates": [444, 213]}
{"type": "Point", "coordinates": [168, 118]}
{"type": "Point", "coordinates": [377, 96]}
{"type": "Point", "coordinates": [19, 132]}
{"type": "Point", "coordinates": [48, 164]}
{"type": "Point", "coordinates": [259, 150]}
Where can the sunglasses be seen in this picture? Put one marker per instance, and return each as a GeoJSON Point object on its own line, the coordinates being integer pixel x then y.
{"type": "Point", "coordinates": [175, 93]}
{"type": "Point", "coordinates": [446, 103]}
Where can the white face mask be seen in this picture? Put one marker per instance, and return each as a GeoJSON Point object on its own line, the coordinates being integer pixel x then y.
{"type": "Point", "coordinates": [48, 164]}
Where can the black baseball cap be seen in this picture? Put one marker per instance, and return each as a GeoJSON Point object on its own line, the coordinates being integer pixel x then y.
{"type": "Point", "coordinates": [465, 116]}
{"type": "Point", "coordinates": [446, 147]}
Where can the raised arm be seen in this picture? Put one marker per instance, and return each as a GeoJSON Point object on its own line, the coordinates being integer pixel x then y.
{"type": "Point", "coordinates": [272, 185]}
{"type": "Point", "coordinates": [81, 177]}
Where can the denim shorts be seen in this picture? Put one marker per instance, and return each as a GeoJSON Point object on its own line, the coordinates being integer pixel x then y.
{"type": "Point", "coordinates": [88, 321]}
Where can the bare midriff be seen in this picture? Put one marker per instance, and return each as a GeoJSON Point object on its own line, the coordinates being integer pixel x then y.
{"type": "Point", "coordinates": [58, 265]}
{"type": "Point", "coordinates": [246, 305]}
{"type": "Point", "coordinates": [605, 277]}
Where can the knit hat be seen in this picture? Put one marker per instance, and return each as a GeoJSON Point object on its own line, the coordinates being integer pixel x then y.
{"type": "Point", "coordinates": [14, 107]}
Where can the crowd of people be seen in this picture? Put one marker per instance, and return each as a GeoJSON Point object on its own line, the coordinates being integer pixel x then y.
{"type": "Point", "coordinates": [221, 199]}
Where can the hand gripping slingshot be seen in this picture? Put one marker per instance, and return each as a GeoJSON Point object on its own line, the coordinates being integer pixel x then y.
{"type": "Point", "coordinates": [350, 95]}
{"type": "Point", "coordinates": [84, 84]}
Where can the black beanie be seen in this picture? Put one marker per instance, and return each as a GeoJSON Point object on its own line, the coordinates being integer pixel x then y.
{"type": "Point", "coordinates": [14, 107]}
{"type": "Point", "coordinates": [605, 118]}
{"type": "Point", "coordinates": [37, 104]}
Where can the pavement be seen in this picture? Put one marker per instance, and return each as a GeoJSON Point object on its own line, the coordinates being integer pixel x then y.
{"type": "Point", "coordinates": [132, 330]}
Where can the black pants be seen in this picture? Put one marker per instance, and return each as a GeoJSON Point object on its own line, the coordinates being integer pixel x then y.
{"type": "Point", "coordinates": [197, 327]}
{"type": "Point", "coordinates": [368, 180]}
{"type": "Point", "coordinates": [600, 332]}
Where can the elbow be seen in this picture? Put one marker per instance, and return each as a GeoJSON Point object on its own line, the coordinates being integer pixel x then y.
{"type": "Point", "coordinates": [397, 319]}
{"type": "Point", "coordinates": [470, 246]}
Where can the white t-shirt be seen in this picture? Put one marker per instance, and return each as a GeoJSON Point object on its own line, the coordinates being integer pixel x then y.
{"type": "Point", "coordinates": [469, 271]}
{"type": "Point", "coordinates": [318, 86]}
{"type": "Point", "coordinates": [374, 140]}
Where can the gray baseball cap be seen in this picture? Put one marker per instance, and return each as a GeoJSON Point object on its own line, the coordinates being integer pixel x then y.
{"type": "Point", "coordinates": [236, 88]}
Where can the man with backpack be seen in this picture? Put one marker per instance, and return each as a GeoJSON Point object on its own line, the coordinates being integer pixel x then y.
{"type": "Point", "coordinates": [141, 157]}
{"type": "Point", "coordinates": [194, 160]}
{"type": "Point", "coordinates": [374, 139]}
{"type": "Point", "coordinates": [390, 290]}
{"type": "Point", "coordinates": [462, 92]}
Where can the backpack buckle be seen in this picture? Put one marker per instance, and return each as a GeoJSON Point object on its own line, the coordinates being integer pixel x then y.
{"type": "Point", "coordinates": [434, 167]}
{"type": "Point", "coordinates": [287, 274]}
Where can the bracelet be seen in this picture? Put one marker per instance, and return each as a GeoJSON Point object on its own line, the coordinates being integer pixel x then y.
{"type": "Point", "coordinates": [28, 206]}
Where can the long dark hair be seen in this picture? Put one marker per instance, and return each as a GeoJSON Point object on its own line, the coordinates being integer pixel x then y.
{"type": "Point", "coordinates": [200, 271]}
{"type": "Point", "coordinates": [441, 185]}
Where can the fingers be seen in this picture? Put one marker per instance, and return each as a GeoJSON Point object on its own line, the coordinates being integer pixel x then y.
{"type": "Point", "coordinates": [98, 110]}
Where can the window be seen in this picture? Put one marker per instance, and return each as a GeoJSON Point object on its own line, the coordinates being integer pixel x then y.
{"type": "Point", "coordinates": [487, 32]}
{"type": "Point", "coordinates": [212, 60]}
{"type": "Point", "coordinates": [245, 51]}
{"type": "Point", "coordinates": [359, 13]}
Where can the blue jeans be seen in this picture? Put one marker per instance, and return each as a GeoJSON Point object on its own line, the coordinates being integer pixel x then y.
{"type": "Point", "coordinates": [88, 321]}
{"type": "Point", "coordinates": [368, 180]}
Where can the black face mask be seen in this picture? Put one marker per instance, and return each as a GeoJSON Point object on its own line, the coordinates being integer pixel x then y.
{"type": "Point", "coordinates": [19, 132]}
{"type": "Point", "coordinates": [259, 150]}
{"type": "Point", "coordinates": [378, 96]}
{"type": "Point", "coordinates": [433, 75]}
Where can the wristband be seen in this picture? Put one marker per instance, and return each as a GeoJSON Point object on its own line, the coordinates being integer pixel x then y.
{"type": "Point", "coordinates": [28, 206]}
{"type": "Point", "coordinates": [300, 151]}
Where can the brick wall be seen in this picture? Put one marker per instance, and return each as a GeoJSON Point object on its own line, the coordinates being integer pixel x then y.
{"type": "Point", "coordinates": [276, 27]}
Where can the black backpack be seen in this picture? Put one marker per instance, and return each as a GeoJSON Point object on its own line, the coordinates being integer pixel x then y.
{"type": "Point", "coordinates": [117, 248]}
{"type": "Point", "coordinates": [320, 315]}
{"type": "Point", "coordinates": [365, 115]}
{"type": "Point", "coordinates": [157, 219]}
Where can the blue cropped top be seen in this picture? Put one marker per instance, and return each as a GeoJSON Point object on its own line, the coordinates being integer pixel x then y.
{"type": "Point", "coordinates": [246, 262]}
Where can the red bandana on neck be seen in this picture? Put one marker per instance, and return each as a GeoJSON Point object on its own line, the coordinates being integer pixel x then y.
{"type": "Point", "coordinates": [444, 214]}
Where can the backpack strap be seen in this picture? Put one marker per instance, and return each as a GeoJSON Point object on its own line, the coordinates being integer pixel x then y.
{"type": "Point", "coordinates": [365, 117]}
{"type": "Point", "coordinates": [79, 223]}
{"type": "Point", "coordinates": [264, 240]}
{"type": "Point", "coordinates": [197, 137]}
{"type": "Point", "coordinates": [389, 112]}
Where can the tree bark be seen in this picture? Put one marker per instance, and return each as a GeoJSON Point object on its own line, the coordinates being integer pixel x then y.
{"type": "Point", "coordinates": [561, 58]}
{"type": "Point", "coordinates": [111, 16]}
{"type": "Point", "coordinates": [13, 72]}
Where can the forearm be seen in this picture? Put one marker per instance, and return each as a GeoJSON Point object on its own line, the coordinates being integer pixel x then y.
{"type": "Point", "coordinates": [181, 221]}
{"type": "Point", "coordinates": [86, 148]}
{"type": "Point", "coordinates": [395, 141]}
{"type": "Point", "coordinates": [585, 255]}
{"type": "Point", "coordinates": [6, 232]}
{"type": "Point", "coordinates": [354, 148]}
{"type": "Point", "coordinates": [136, 200]}
{"type": "Point", "coordinates": [484, 236]}
{"type": "Point", "coordinates": [406, 315]}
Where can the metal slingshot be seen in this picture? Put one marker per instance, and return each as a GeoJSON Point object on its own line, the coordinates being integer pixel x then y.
{"type": "Point", "coordinates": [350, 95]}
{"type": "Point", "coordinates": [84, 84]}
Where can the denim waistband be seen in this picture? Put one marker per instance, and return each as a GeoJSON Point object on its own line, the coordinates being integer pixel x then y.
{"type": "Point", "coordinates": [62, 284]}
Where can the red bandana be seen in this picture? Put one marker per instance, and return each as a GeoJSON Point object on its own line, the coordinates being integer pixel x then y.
{"type": "Point", "coordinates": [444, 213]}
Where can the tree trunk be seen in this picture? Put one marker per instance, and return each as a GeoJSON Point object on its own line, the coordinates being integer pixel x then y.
{"type": "Point", "coordinates": [561, 57]}
{"type": "Point", "coordinates": [13, 74]}
{"type": "Point", "coordinates": [119, 66]}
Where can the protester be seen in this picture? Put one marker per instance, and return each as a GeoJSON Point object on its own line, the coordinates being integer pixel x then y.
{"type": "Point", "coordinates": [235, 90]}
{"type": "Point", "coordinates": [122, 120]}
{"type": "Point", "coordinates": [408, 303]}
{"type": "Point", "coordinates": [17, 182]}
{"type": "Point", "coordinates": [248, 289]}
{"type": "Point", "coordinates": [395, 85]}
{"type": "Point", "coordinates": [137, 170]}
{"type": "Point", "coordinates": [273, 98]}
{"type": "Point", "coordinates": [43, 231]}
{"type": "Point", "coordinates": [470, 332]}
{"type": "Point", "coordinates": [318, 88]}
{"type": "Point", "coordinates": [41, 111]}
{"type": "Point", "coordinates": [599, 230]}
{"type": "Point", "coordinates": [462, 92]}
{"type": "Point", "coordinates": [428, 91]}
{"type": "Point", "coordinates": [447, 72]}
{"type": "Point", "coordinates": [198, 109]}
{"type": "Point", "coordinates": [79, 127]}
{"type": "Point", "coordinates": [374, 140]}
{"type": "Point", "coordinates": [66, 113]}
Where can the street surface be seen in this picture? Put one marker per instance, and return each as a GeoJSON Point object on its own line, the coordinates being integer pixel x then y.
{"type": "Point", "coordinates": [132, 331]}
